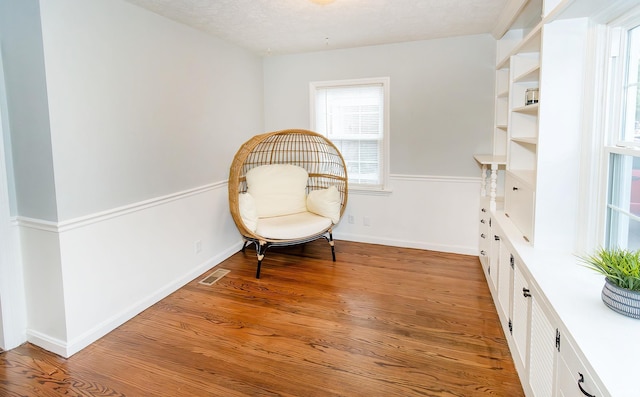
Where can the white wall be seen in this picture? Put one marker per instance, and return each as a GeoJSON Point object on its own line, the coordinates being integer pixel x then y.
{"type": "Point", "coordinates": [145, 117]}
{"type": "Point", "coordinates": [27, 136]}
{"type": "Point", "coordinates": [441, 97]}
{"type": "Point", "coordinates": [140, 106]}
{"type": "Point", "coordinates": [441, 94]}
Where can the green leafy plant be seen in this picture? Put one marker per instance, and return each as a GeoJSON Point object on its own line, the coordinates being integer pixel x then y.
{"type": "Point", "coordinates": [620, 266]}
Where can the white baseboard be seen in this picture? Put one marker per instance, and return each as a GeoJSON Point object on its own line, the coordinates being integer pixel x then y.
{"type": "Point", "coordinates": [47, 342]}
{"type": "Point", "coordinates": [360, 238]}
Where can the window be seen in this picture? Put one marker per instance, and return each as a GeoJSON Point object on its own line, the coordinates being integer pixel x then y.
{"type": "Point", "coordinates": [353, 114]}
{"type": "Point", "coordinates": [623, 196]}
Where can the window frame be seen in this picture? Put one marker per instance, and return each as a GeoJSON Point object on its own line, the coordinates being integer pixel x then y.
{"type": "Point", "coordinates": [383, 186]}
{"type": "Point", "coordinates": [615, 148]}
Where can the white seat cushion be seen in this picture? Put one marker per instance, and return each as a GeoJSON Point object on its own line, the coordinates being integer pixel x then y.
{"type": "Point", "coordinates": [248, 211]}
{"type": "Point", "coordinates": [295, 226]}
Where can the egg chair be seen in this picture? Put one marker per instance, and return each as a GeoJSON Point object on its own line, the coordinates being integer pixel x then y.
{"type": "Point", "coordinates": [285, 188]}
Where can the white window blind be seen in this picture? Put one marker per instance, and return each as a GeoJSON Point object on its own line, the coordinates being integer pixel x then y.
{"type": "Point", "coordinates": [352, 117]}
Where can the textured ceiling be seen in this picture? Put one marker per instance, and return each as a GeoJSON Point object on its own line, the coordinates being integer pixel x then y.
{"type": "Point", "coordinates": [290, 26]}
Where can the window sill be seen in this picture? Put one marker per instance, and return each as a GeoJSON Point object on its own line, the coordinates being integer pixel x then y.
{"type": "Point", "coordinates": [363, 191]}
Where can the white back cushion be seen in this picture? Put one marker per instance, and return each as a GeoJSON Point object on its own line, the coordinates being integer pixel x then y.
{"type": "Point", "coordinates": [325, 202]}
{"type": "Point", "coordinates": [278, 189]}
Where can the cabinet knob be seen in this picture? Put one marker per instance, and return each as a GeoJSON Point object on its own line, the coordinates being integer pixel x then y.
{"type": "Point", "coordinates": [484, 210]}
{"type": "Point", "coordinates": [483, 236]}
{"type": "Point", "coordinates": [526, 292]}
{"type": "Point", "coordinates": [483, 253]}
{"type": "Point", "coordinates": [482, 221]}
{"type": "Point", "coordinates": [515, 188]}
{"type": "Point", "coordinates": [580, 382]}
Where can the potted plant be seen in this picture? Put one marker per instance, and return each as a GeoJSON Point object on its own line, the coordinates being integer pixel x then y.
{"type": "Point", "coordinates": [621, 268]}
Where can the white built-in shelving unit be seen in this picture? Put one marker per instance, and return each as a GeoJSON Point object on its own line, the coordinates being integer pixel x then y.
{"type": "Point", "coordinates": [563, 340]}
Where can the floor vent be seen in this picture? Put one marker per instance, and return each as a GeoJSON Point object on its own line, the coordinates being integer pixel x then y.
{"type": "Point", "coordinates": [214, 277]}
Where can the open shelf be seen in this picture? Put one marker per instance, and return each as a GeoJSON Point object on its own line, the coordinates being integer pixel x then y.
{"type": "Point", "coordinates": [526, 140]}
{"type": "Point", "coordinates": [527, 109]}
{"type": "Point", "coordinates": [530, 75]}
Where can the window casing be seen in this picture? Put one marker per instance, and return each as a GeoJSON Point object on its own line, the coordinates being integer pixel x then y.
{"type": "Point", "coordinates": [354, 115]}
{"type": "Point", "coordinates": [623, 136]}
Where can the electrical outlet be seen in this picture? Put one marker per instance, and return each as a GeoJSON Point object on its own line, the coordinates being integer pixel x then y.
{"type": "Point", "coordinates": [350, 219]}
{"type": "Point", "coordinates": [197, 246]}
{"type": "Point", "coordinates": [366, 221]}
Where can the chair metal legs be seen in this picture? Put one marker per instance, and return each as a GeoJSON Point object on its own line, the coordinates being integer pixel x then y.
{"type": "Point", "coordinates": [262, 246]}
{"type": "Point", "coordinates": [261, 249]}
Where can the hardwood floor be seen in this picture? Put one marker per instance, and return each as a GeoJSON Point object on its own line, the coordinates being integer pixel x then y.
{"type": "Point", "coordinates": [381, 321]}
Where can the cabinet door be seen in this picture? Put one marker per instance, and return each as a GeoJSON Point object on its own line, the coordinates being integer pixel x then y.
{"type": "Point", "coordinates": [504, 284]}
{"type": "Point", "coordinates": [543, 348]}
{"type": "Point", "coordinates": [496, 249]}
{"type": "Point", "coordinates": [573, 380]}
{"type": "Point", "coordinates": [518, 205]}
{"type": "Point", "coordinates": [520, 316]}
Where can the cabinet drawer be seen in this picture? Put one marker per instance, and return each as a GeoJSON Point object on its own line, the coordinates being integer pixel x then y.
{"type": "Point", "coordinates": [519, 205]}
{"type": "Point", "coordinates": [484, 231]}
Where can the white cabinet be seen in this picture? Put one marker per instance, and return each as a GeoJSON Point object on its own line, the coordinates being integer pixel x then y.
{"type": "Point", "coordinates": [550, 310]}
{"type": "Point", "coordinates": [547, 362]}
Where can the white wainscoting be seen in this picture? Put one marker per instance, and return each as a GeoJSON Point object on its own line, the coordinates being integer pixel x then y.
{"type": "Point", "coordinates": [87, 276]}
{"type": "Point", "coordinates": [426, 212]}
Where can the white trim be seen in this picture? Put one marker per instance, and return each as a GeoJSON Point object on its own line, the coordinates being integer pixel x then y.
{"type": "Point", "coordinates": [370, 192]}
{"type": "Point", "coordinates": [436, 178]}
{"type": "Point", "coordinates": [47, 342]}
{"type": "Point", "coordinates": [412, 178]}
{"type": "Point", "coordinates": [611, 42]}
{"type": "Point", "coordinates": [58, 227]}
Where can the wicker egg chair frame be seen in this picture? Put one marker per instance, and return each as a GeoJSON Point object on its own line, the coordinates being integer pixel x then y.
{"type": "Point", "coordinates": [307, 149]}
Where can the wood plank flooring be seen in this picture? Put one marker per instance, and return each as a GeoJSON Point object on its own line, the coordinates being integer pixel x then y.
{"type": "Point", "coordinates": [381, 321]}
